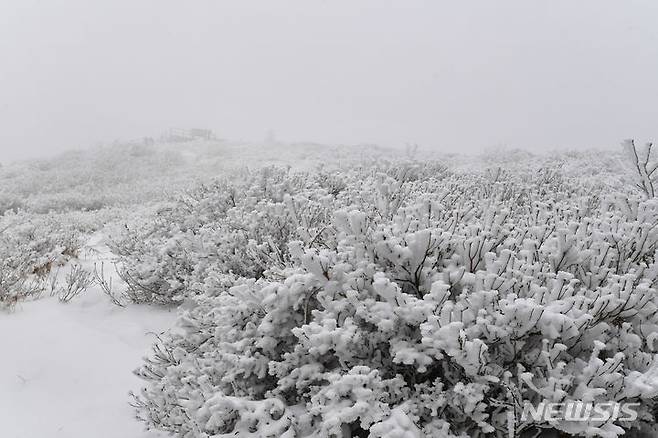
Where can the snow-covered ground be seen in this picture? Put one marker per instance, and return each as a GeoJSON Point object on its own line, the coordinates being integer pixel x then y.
{"type": "Point", "coordinates": [65, 369]}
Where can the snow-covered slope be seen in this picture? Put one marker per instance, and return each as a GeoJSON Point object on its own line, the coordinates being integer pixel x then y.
{"type": "Point", "coordinates": [65, 369]}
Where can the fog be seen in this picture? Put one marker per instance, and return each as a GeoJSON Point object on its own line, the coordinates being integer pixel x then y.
{"type": "Point", "coordinates": [456, 76]}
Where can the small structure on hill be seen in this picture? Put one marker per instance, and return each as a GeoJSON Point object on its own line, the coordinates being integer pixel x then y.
{"type": "Point", "coordinates": [177, 135]}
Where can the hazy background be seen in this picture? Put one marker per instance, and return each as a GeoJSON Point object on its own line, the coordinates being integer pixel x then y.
{"type": "Point", "coordinates": [451, 75]}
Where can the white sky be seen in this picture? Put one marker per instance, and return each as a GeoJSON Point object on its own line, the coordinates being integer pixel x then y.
{"type": "Point", "coordinates": [458, 75]}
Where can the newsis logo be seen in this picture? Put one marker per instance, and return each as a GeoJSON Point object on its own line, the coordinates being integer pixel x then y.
{"type": "Point", "coordinates": [580, 411]}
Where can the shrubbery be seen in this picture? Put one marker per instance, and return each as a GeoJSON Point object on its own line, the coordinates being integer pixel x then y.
{"type": "Point", "coordinates": [90, 179]}
{"type": "Point", "coordinates": [31, 249]}
{"type": "Point", "coordinates": [373, 298]}
{"type": "Point", "coordinates": [421, 303]}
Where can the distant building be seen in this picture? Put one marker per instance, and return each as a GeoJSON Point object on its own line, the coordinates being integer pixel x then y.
{"type": "Point", "coordinates": [177, 135]}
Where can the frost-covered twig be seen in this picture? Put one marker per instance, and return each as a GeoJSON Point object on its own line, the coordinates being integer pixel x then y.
{"type": "Point", "coordinates": [106, 285]}
{"type": "Point", "coordinates": [77, 281]}
{"type": "Point", "coordinates": [642, 165]}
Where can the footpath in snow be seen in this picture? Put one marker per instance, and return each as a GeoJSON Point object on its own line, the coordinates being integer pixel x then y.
{"type": "Point", "coordinates": [66, 369]}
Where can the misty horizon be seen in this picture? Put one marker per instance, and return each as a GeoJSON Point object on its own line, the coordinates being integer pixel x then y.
{"type": "Point", "coordinates": [446, 76]}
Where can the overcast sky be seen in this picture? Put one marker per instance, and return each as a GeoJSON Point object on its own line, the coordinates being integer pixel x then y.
{"type": "Point", "coordinates": [458, 75]}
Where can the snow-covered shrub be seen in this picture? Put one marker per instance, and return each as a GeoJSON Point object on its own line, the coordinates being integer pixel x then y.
{"type": "Point", "coordinates": [106, 284]}
{"type": "Point", "coordinates": [77, 280]}
{"type": "Point", "coordinates": [16, 284]}
{"type": "Point", "coordinates": [9, 202]}
{"type": "Point", "coordinates": [434, 307]}
{"type": "Point", "coordinates": [31, 246]}
{"type": "Point", "coordinates": [239, 227]}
